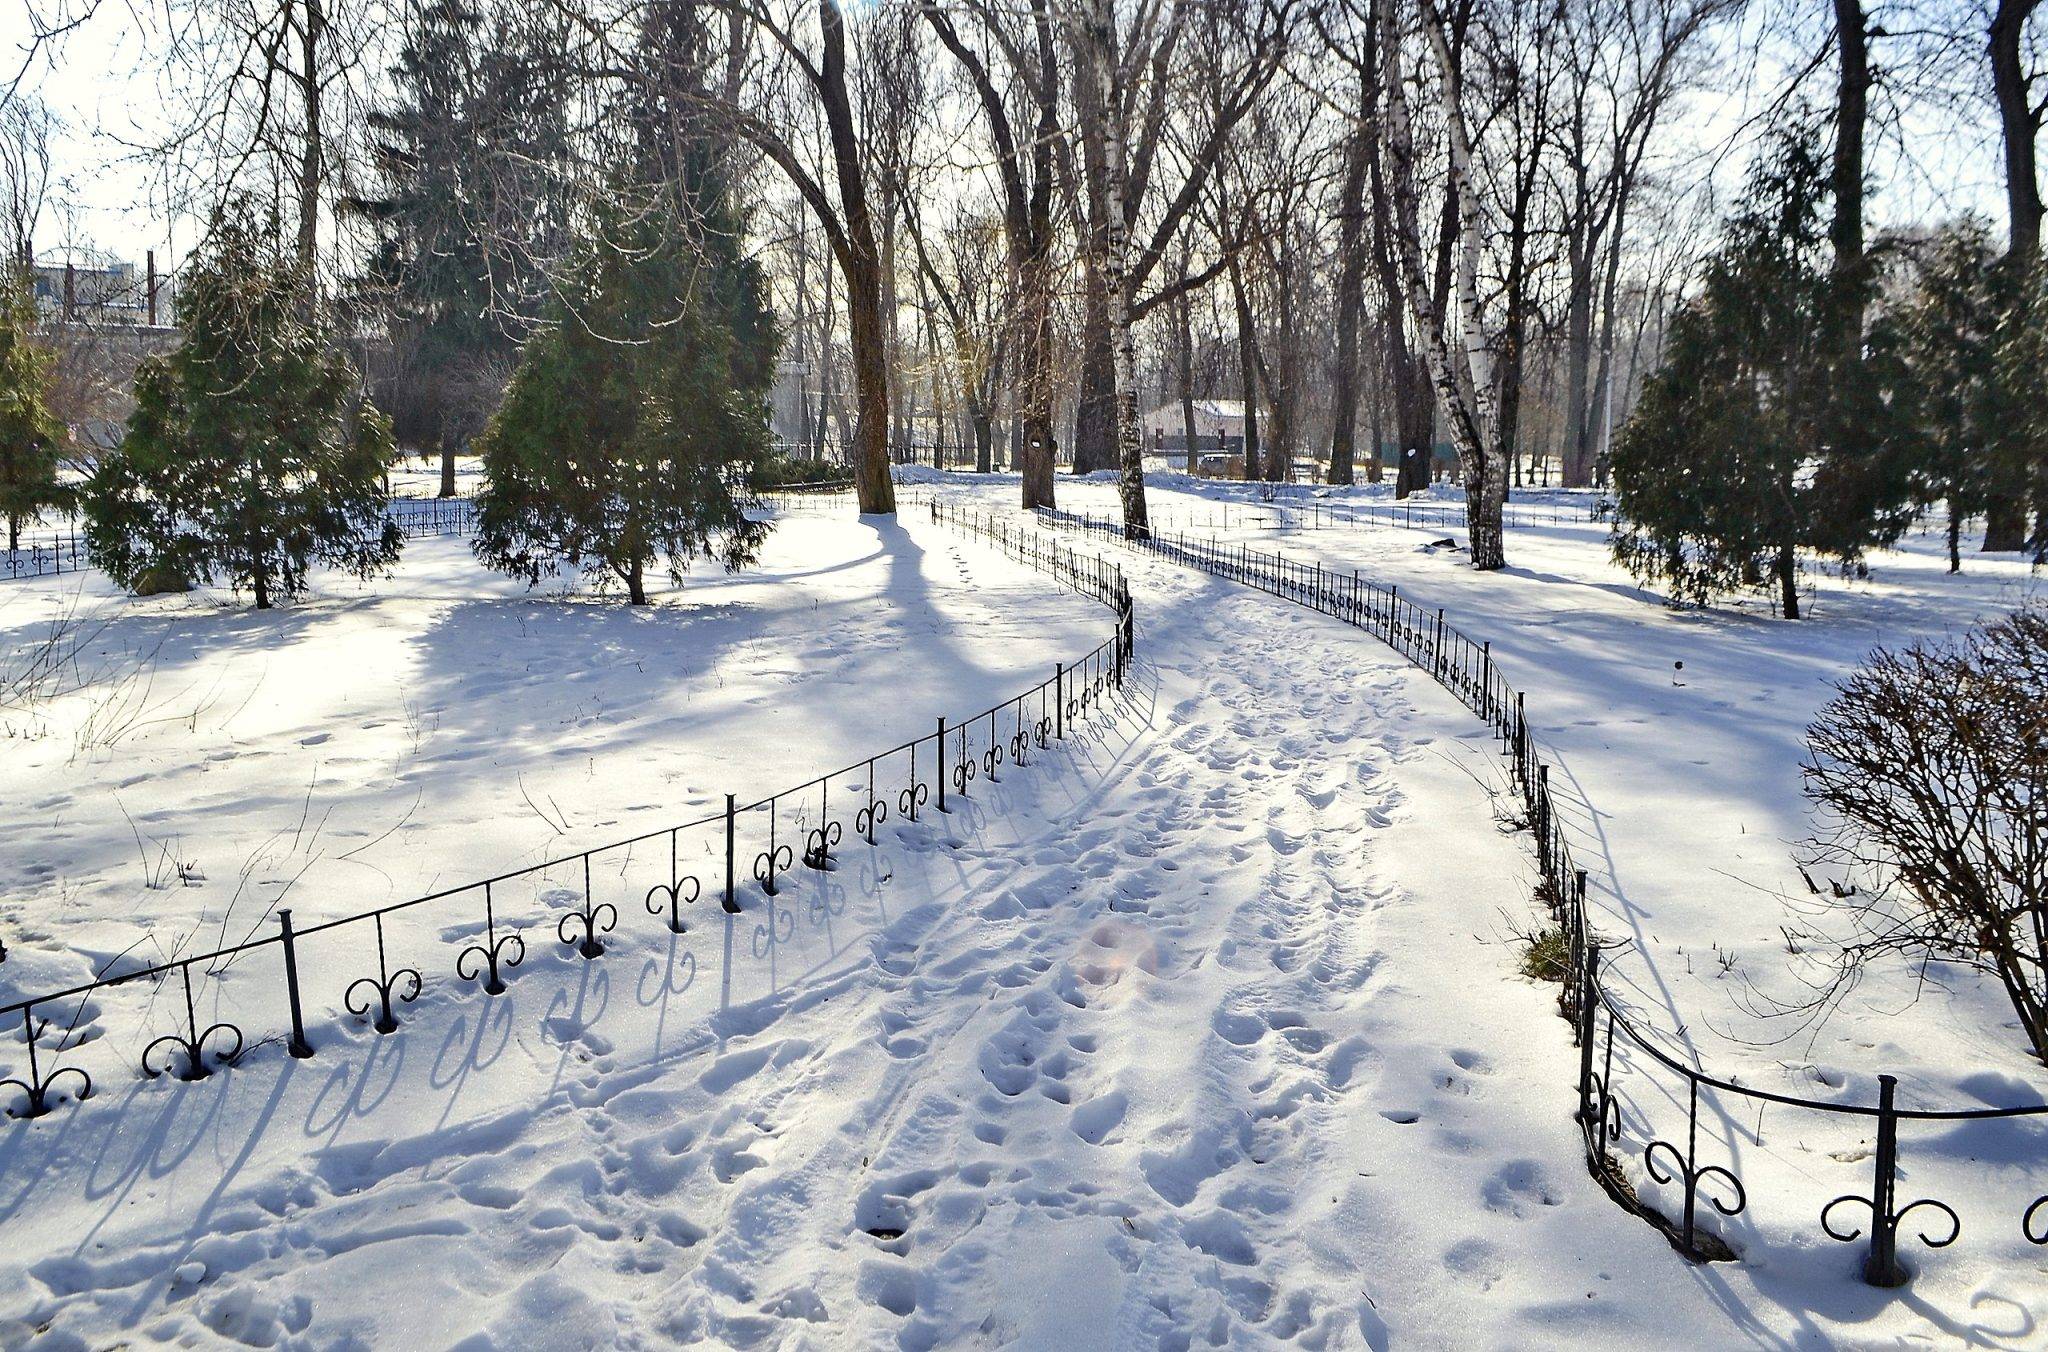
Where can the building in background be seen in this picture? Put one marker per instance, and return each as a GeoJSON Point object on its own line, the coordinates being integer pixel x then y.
{"type": "Point", "coordinates": [86, 290]}
{"type": "Point", "coordinates": [1219, 436]}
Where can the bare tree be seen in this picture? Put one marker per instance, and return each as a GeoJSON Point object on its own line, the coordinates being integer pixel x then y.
{"type": "Point", "coordinates": [26, 125]}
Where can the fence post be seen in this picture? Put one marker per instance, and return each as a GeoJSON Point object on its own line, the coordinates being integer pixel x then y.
{"type": "Point", "coordinates": [732, 906]}
{"type": "Point", "coordinates": [1059, 699]}
{"type": "Point", "coordinates": [940, 748]}
{"type": "Point", "coordinates": [298, 1046]}
{"type": "Point", "coordinates": [1882, 1267]}
{"type": "Point", "coordinates": [1589, 1008]}
{"type": "Point", "coordinates": [1438, 652]}
{"type": "Point", "coordinates": [1486, 680]}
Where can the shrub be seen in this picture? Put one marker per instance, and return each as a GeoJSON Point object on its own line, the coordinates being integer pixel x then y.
{"type": "Point", "coordinates": [1931, 769]}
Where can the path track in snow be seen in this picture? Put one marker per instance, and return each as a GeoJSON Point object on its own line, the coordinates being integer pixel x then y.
{"type": "Point", "coordinates": [1196, 1035]}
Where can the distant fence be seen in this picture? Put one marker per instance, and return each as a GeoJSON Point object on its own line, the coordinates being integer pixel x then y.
{"type": "Point", "coordinates": [419, 518]}
{"type": "Point", "coordinates": [44, 554]}
{"type": "Point", "coordinates": [1610, 1041]}
{"type": "Point", "coordinates": [1285, 517]}
{"type": "Point", "coordinates": [213, 995]}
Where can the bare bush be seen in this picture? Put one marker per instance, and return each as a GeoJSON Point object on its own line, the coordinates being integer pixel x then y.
{"type": "Point", "coordinates": [1931, 767]}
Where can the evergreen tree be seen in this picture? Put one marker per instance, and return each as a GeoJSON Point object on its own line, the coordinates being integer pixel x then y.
{"type": "Point", "coordinates": [1757, 437]}
{"type": "Point", "coordinates": [31, 438]}
{"type": "Point", "coordinates": [1949, 331]}
{"type": "Point", "coordinates": [468, 214]}
{"type": "Point", "coordinates": [635, 430]}
{"type": "Point", "coordinates": [2017, 463]}
{"type": "Point", "coordinates": [248, 456]}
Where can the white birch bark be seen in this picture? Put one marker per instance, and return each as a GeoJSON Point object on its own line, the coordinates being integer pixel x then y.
{"type": "Point", "coordinates": [1464, 374]}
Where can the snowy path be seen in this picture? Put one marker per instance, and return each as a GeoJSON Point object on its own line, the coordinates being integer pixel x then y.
{"type": "Point", "coordinates": [1204, 1032]}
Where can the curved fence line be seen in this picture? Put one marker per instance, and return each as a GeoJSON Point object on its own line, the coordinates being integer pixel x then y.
{"type": "Point", "coordinates": [1599, 1022]}
{"type": "Point", "coordinates": [799, 826]}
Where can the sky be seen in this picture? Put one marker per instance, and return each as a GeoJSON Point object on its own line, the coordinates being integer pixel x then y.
{"type": "Point", "coordinates": [102, 81]}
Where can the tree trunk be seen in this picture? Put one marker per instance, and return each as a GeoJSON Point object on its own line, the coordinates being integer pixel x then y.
{"type": "Point", "coordinates": [636, 580]}
{"type": "Point", "coordinates": [826, 402]}
{"type": "Point", "coordinates": [871, 482]}
{"type": "Point", "coordinates": [1463, 374]}
{"type": "Point", "coordinates": [984, 438]}
{"type": "Point", "coordinates": [2018, 125]}
{"type": "Point", "coordinates": [1350, 300]}
{"type": "Point", "coordinates": [1578, 458]}
{"type": "Point", "coordinates": [866, 322]}
{"type": "Point", "coordinates": [1376, 420]}
{"type": "Point", "coordinates": [1185, 314]}
{"type": "Point", "coordinates": [311, 31]}
{"type": "Point", "coordinates": [1852, 102]}
{"type": "Point", "coordinates": [1116, 282]}
{"type": "Point", "coordinates": [1095, 404]}
{"type": "Point", "coordinates": [447, 466]}
{"type": "Point", "coordinates": [1248, 371]}
{"type": "Point", "coordinates": [1787, 570]}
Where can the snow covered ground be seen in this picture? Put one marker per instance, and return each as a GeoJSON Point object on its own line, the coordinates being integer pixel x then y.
{"type": "Point", "coordinates": [1205, 1030]}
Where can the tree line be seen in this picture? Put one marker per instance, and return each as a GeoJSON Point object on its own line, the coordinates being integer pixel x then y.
{"type": "Point", "coordinates": [1376, 223]}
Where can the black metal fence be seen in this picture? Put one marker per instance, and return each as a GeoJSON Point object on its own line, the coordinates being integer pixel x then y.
{"type": "Point", "coordinates": [1612, 1044]}
{"type": "Point", "coordinates": [264, 981]}
{"type": "Point", "coordinates": [44, 554]}
{"type": "Point", "coordinates": [1285, 517]}
{"type": "Point", "coordinates": [418, 518]}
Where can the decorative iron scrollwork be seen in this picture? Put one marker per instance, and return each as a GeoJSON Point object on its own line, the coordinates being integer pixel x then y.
{"type": "Point", "coordinates": [1692, 1177]}
{"type": "Point", "coordinates": [1041, 732]}
{"type": "Point", "coordinates": [963, 775]}
{"type": "Point", "coordinates": [1894, 1220]}
{"type": "Point", "coordinates": [602, 918]}
{"type": "Point", "coordinates": [672, 897]}
{"type": "Point", "coordinates": [868, 818]}
{"type": "Point", "coordinates": [192, 1042]}
{"type": "Point", "coordinates": [37, 1088]}
{"type": "Point", "coordinates": [819, 845]}
{"type": "Point", "coordinates": [769, 863]}
{"type": "Point", "coordinates": [492, 953]}
{"type": "Point", "coordinates": [2039, 1208]}
{"type": "Point", "coordinates": [1603, 1117]}
{"type": "Point", "coordinates": [912, 799]}
{"type": "Point", "coordinates": [385, 984]}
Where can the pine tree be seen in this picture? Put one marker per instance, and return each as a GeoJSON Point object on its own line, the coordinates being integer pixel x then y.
{"type": "Point", "coordinates": [31, 438]}
{"type": "Point", "coordinates": [635, 430]}
{"type": "Point", "coordinates": [1757, 438]}
{"type": "Point", "coordinates": [466, 216]}
{"type": "Point", "coordinates": [1949, 331]}
{"type": "Point", "coordinates": [2018, 436]}
{"type": "Point", "coordinates": [248, 457]}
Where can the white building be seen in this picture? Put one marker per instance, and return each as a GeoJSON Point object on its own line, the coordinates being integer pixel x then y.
{"type": "Point", "coordinates": [1219, 433]}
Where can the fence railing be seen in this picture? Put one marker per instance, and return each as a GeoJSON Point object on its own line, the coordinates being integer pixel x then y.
{"type": "Point", "coordinates": [377, 970]}
{"type": "Point", "coordinates": [44, 554]}
{"type": "Point", "coordinates": [1611, 1043]}
{"type": "Point", "coordinates": [419, 518]}
{"type": "Point", "coordinates": [1288, 517]}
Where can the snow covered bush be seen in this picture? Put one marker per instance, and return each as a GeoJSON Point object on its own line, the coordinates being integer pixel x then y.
{"type": "Point", "coordinates": [1931, 769]}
